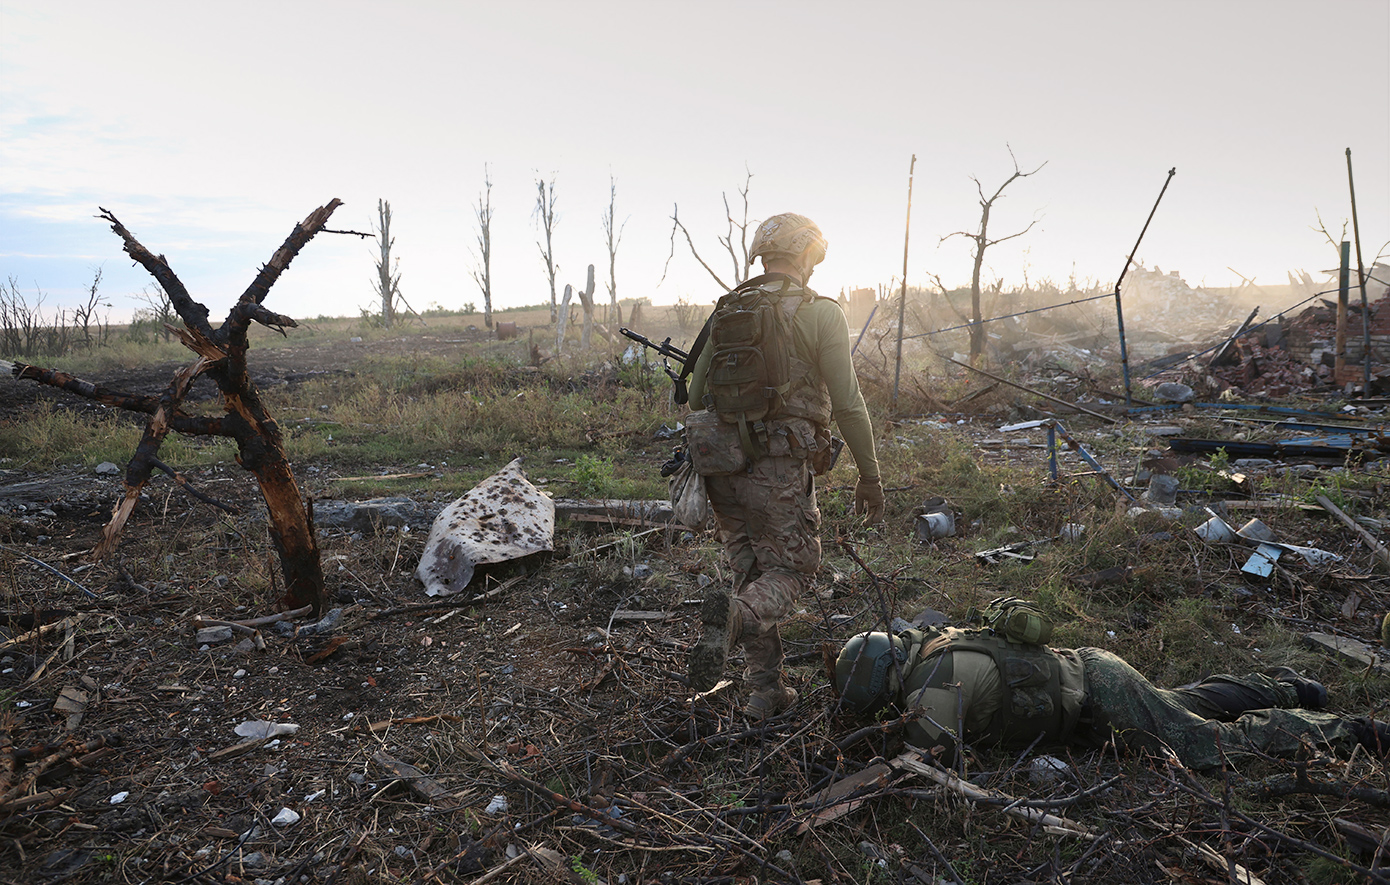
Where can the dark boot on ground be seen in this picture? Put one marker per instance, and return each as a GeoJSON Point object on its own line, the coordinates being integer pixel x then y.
{"type": "Point", "coordinates": [1311, 693]}
{"type": "Point", "coordinates": [723, 624]}
{"type": "Point", "coordinates": [1373, 735]}
{"type": "Point", "coordinates": [767, 702]}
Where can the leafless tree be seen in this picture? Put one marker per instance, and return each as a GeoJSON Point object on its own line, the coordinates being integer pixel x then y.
{"type": "Point", "coordinates": [221, 356]}
{"type": "Point", "coordinates": [738, 252]}
{"type": "Point", "coordinates": [482, 271]}
{"type": "Point", "coordinates": [545, 216]}
{"type": "Point", "coordinates": [388, 281]}
{"type": "Point", "coordinates": [983, 242]}
{"type": "Point", "coordinates": [159, 313]}
{"type": "Point", "coordinates": [614, 238]}
{"type": "Point", "coordinates": [86, 316]}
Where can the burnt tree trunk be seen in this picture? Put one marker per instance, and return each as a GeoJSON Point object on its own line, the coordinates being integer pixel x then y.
{"type": "Point", "coordinates": [222, 357]}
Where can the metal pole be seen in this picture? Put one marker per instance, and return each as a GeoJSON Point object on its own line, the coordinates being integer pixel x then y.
{"type": "Point", "coordinates": [1340, 345]}
{"type": "Point", "coordinates": [855, 348]}
{"type": "Point", "coordinates": [902, 301]}
{"type": "Point", "coordinates": [1361, 276]}
{"type": "Point", "coordinates": [1119, 308]}
{"type": "Point", "coordinates": [1343, 283]}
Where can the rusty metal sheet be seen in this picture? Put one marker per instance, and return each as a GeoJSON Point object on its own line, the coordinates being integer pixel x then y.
{"type": "Point", "coordinates": [502, 518]}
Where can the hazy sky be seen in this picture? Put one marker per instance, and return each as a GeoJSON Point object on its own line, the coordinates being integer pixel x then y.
{"type": "Point", "coordinates": [210, 129]}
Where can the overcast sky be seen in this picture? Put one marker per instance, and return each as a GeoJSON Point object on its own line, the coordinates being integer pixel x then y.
{"type": "Point", "coordinates": [210, 129]}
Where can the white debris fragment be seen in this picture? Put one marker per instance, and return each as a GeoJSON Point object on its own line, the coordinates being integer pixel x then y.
{"type": "Point", "coordinates": [120, 797]}
{"type": "Point", "coordinates": [498, 805]}
{"type": "Point", "coordinates": [259, 728]}
{"type": "Point", "coordinates": [285, 818]}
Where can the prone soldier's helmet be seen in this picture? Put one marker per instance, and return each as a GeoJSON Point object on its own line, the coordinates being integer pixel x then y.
{"type": "Point", "coordinates": [788, 235]}
{"type": "Point", "coordinates": [868, 669]}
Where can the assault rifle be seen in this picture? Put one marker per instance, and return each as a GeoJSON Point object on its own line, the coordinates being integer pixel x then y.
{"type": "Point", "coordinates": [668, 351]}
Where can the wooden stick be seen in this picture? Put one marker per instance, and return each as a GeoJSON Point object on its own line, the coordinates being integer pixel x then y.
{"type": "Point", "coordinates": [1376, 547]}
{"type": "Point", "coordinates": [1051, 823]}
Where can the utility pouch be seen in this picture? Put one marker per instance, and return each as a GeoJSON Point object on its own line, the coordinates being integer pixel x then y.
{"type": "Point", "coordinates": [713, 446]}
{"type": "Point", "coordinates": [689, 501]}
{"type": "Point", "coordinates": [1017, 620]}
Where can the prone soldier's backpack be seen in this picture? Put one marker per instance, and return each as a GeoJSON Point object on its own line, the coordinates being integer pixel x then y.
{"type": "Point", "coordinates": [750, 367]}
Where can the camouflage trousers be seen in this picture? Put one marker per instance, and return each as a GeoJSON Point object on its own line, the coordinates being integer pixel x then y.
{"type": "Point", "coordinates": [769, 524]}
{"type": "Point", "coordinates": [1221, 719]}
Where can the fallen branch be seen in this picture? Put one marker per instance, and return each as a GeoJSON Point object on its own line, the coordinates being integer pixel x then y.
{"type": "Point", "coordinates": [1051, 823]}
{"type": "Point", "coordinates": [1376, 547]}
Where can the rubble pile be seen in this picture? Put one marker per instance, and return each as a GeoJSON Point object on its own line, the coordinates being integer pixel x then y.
{"type": "Point", "coordinates": [1157, 303]}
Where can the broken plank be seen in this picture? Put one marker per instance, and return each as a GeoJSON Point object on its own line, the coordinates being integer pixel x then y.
{"type": "Point", "coordinates": [615, 510]}
{"type": "Point", "coordinates": [1366, 655]}
{"type": "Point", "coordinates": [627, 615]}
{"type": "Point", "coordinates": [829, 800]}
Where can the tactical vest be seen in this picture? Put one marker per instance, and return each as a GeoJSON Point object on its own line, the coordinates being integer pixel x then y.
{"type": "Point", "coordinates": [1030, 678]}
{"type": "Point", "coordinates": [755, 374]}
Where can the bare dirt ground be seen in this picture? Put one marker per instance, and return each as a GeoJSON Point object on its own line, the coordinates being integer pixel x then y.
{"type": "Point", "coordinates": [550, 733]}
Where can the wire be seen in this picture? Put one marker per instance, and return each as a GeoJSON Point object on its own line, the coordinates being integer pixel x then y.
{"type": "Point", "coordinates": [1009, 315]}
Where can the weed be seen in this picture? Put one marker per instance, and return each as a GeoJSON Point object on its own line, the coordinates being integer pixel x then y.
{"type": "Point", "coordinates": [593, 476]}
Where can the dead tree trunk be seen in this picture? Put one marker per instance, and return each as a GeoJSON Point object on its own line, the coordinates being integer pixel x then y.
{"type": "Point", "coordinates": [222, 357]}
{"type": "Point", "coordinates": [586, 298]}
{"type": "Point", "coordinates": [482, 272]}
{"type": "Point", "coordinates": [388, 281]}
{"type": "Point", "coordinates": [982, 242]}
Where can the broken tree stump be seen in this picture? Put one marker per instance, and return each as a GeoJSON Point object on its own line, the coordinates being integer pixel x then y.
{"type": "Point", "coordinates": [221, 356]}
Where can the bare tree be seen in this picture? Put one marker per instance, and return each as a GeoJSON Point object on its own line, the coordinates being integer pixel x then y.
{"type": "Point", "coordinates": [614, 238]}
{"type": "Point", "coordinates": [86, 314]}
{"type": "Point", "coordinates": [545, 215]}
{"type": "Point", "coordinates": [482, 271]}
{"type": "Point", "coordinates": [388, 281]}
{"type": "Point", "coordinates": [983, 242]}
{"type": "Point", "coordinates": [738, 254]}
{"type": "Point", "coordinates": [221, 356]}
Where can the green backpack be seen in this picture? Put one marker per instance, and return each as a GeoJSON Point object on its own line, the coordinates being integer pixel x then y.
{"type": "Point", "coordinates": [750, 366]}
{"type": "Point", "coordinates": [1015, 619]}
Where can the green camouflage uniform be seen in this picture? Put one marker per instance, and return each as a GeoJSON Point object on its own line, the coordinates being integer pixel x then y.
{"type": "Point", "coordinates": [1200, 730]}
{"type": "Point", "coordinates": [766, 517]}
{"type": "Point", "coordinates": [1220, 718]}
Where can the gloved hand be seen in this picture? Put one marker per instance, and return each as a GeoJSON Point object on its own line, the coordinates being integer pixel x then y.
{"type": "Point", "coordinates": [868, 498]}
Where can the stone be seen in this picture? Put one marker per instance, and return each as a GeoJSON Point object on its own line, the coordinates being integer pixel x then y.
{"type": "Point", "coordinates": [213, 635]}
{"type": "Point", "coordinates": [107, 468]}
{"type": "Point", "coordinates": [1174, 392]}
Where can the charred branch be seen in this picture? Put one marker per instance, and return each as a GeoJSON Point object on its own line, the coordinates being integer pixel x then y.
{"type": "Point", "coordinates": [222, 357]}
{"type": "Point", "coordinates": [270, 272]}
{"type": "Point", "coordinates": [190, 311]}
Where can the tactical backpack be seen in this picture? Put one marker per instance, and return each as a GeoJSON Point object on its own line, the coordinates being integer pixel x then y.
{"type": "Point", "coordinates": [750, 366]}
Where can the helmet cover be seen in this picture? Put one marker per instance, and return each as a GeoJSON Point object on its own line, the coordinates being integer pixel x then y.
{"type": "Point", "coordinates": [867, 671]}
{"type": "Point", "coordinates": [790, 235]}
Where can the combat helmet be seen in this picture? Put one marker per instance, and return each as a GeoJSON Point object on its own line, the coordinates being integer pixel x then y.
{"type": "Point", "coordinates": [868, 671]}
{"type": "Point", "coordinates": [789, 235]}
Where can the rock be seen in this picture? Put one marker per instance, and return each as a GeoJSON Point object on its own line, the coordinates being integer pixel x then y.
{"type": "Point", "coordinates": [367, 516]}
{"type": "Point", "coordinates": [1162, 430]}
{"type": "Point", "coordinates": [285, 818]}
{"type": "Point", "coordinates": [213, 635]}
{"type": "Point", "coordinates": [1174, 392]}
{"type": "Point", "coordinates": [106, 468]}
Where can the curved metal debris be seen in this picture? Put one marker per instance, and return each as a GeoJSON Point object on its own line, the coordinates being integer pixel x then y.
{"type": "Point", "coordinates": [502, 518]}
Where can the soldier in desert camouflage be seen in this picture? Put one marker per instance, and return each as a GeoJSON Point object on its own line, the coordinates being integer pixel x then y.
{"type": "Point", "coordinates": [775, 433]}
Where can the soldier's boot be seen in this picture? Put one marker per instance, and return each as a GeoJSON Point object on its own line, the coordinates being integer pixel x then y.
{"type": "Point", "coordinates": [1373, 735]}
{"type": "Point", "coordinates": [770, 701]}
{"type": "Point", "coordinates": [723, 625]}
{"type": "Point", "coordinates": [1312, 695]}
{"type": "Point", "coordinates": [769, 695]}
